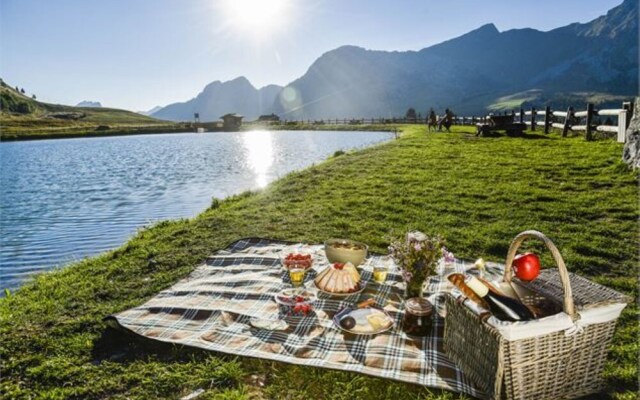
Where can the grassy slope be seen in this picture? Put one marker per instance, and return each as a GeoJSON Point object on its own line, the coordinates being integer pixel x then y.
{"type": "Point", "coordinates": [478, 193]}
{"type": "Point", "coordinates": [557, 101]}
{"type": "Point", "coordinates": [37, 125]}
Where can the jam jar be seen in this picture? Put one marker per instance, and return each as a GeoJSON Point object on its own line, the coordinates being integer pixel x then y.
{"type": "Point", "coordinates": [418, 314]}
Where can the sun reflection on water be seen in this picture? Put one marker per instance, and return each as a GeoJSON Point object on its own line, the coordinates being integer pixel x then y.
{"type": "Point", "coordinates": [259, 153]}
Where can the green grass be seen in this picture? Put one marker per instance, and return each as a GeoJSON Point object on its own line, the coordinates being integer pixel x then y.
{"type": "Point", "coordinates": [38, 122]}
{"type": "Point", "coordinates": [478, 193]}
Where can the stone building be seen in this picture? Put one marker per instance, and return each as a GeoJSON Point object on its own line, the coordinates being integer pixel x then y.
{"type": "Point", "coordinates": [231, 122]}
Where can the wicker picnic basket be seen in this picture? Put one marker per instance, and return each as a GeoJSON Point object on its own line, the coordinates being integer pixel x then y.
{"type": "Point", "coordinates": [551, 366]}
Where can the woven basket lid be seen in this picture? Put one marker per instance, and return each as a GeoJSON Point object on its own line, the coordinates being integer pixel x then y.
{"type": "Point", "coordinates": [586, 294]}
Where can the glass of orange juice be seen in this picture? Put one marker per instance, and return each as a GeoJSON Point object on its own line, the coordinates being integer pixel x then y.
{"type": "Point", "coordinates": [296, 275]}
{"type": "Point", "coordinates": [381, 269]}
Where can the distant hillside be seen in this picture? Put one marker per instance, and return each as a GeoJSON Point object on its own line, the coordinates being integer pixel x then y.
{"type": "Point", "coordinates": [16, 105]}
{"type": "Point", "coordinates": [24, 117]}
{"type": "Point", "coordinates": [87, 103]}
{"type": "Point", "coordinates": [219, 98]}
{"type": "Point", "coordinates": [473, 72]}
{"type": "Point", "coordinates": [559, 101]}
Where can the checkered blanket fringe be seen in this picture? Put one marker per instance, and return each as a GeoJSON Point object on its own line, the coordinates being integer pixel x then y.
{"type": "Point", "coordinates": [212, 307]}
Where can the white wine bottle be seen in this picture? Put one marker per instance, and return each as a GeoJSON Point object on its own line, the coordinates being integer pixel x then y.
{"type": "Point", "coordinates": [502, 307]}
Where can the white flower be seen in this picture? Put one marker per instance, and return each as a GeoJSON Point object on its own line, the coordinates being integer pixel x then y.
{"type": "Point", "coordinates": [416, 236]}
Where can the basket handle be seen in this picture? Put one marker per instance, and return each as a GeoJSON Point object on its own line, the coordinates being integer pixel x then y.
{"type": "Point", "coordinates": [568, 305]}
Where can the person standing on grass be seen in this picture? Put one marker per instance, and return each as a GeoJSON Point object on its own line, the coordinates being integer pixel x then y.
{"type": "Point", "coordinates": [432, 120]}
{"type": "Point", "coordinates": [446, 120]}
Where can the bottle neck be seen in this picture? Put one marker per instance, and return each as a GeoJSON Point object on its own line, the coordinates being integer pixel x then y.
{"type": "Point", "coordinates": [478, 287]}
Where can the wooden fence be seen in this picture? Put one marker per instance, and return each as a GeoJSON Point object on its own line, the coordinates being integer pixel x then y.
{"type": "Point", "coordinates": [346, 121]}
{"type": "Point", "coordinates": [587, 121]}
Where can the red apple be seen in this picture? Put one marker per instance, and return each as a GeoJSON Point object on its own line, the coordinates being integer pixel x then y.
{"type": "Point", "coordinates": [526, 266]}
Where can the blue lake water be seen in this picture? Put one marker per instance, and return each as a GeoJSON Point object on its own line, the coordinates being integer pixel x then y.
{"type": "Point", "coordinates": [63, 200]}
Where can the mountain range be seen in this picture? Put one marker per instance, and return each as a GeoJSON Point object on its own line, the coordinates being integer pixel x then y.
{"type": "Point", "coordinates": [483, 70]}
{"type": "Point", "coordinates": [219, 98]}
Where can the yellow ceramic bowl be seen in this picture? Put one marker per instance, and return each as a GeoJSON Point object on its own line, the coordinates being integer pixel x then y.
{"type": "Point", "coordinates": [345, 250]}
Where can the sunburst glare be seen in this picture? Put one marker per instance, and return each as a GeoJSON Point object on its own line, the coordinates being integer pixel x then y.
{"type": "Point", "coordinates": [255, 18]}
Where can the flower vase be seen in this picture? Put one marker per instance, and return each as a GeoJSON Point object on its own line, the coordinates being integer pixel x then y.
{"type": "Point", "coordinates": [414, 288]}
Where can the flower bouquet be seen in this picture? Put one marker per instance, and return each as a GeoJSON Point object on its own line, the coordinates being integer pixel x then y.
{"type": "Point", "coordinates": [417, 256]}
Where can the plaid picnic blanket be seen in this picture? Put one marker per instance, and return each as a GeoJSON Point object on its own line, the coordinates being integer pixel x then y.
{"type": "Point", "coordinates": [212, 308]}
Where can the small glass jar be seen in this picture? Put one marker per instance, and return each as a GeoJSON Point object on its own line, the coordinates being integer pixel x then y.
{"type": "Point", "coordinates": [418, 314]}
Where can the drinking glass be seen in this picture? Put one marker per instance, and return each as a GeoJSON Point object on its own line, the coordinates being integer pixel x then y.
{"type": "Point", "coordinates": [380, 273]}
{"type": "Point", "coordinates": [296, 275]}
{"type": "Point", "coordinates": [381, 269]}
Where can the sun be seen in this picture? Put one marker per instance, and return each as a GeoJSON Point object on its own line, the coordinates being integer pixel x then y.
{"type": "Point", "coordinates": [255, 17]}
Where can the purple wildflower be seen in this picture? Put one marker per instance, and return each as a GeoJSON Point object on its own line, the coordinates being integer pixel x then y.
{"type": "Point", "coordinates": [406, 275]}
{"type": "Point", "coordinates": [448, 256]}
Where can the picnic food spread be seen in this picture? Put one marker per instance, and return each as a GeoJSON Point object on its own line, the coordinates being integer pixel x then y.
{"type": "Point", "coordinates": [236, 304]}
{"type": "Point", "coordinates": [339, 278]}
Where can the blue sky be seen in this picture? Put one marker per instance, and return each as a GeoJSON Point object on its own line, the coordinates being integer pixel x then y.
{"type": "Point", "coordinates": [137, 54]}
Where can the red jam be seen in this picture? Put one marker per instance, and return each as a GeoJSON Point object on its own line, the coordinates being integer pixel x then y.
{"type": "Point", "coordinates": [418, 313]}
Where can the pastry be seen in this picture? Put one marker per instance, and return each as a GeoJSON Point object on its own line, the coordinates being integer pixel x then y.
{"type": "Point", "coordinates": [339, 278]}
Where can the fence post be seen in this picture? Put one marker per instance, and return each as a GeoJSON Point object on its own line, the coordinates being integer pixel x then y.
{"type": "Point", "coordinates": [547, 119]}
{"type": "Point", "coordinates": [521, 115]}
{"type": "Point", "coordinates": [628, 105]}
{"type": "Point", "coordinates": [622, 124]}
{"type": "Point", "coordinates": [587, 134]}
{"type": "Point", "coordinates": [567, 122]}
{"type": "Point", "coordinates": [533, 118]}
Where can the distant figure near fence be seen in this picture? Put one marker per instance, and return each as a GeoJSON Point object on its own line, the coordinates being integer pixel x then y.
{"type": "Point", "coordinates": [446, 120]}
{"type": "Point", "coordinates": [432, 120]}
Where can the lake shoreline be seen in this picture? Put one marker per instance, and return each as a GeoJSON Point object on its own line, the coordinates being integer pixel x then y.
{"type": "Point", "coordinates": [153, 130]}
{"type": "Point", "coordinates": [55, 342]}
{"type": "Point", "coordinates": [95, 133]}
